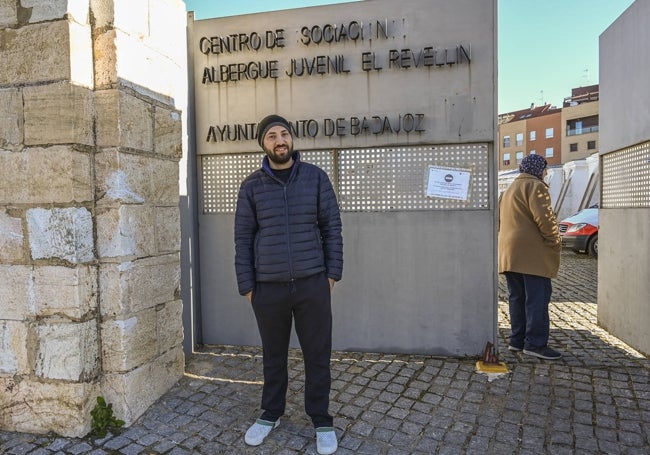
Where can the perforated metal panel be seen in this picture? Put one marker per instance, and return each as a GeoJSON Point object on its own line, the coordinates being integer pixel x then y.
{"type": "Point", "coordinates": [387, 179]}
{"type": "Point", "coordinates": [626, 177]}
{"type": "Point", "coordinates": [382, 179]}
{"type": "Point", "coordinates": [221, 176]}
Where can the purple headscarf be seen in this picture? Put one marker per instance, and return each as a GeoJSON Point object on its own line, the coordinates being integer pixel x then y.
{"type": "Point", "coordinates": [534, 165]}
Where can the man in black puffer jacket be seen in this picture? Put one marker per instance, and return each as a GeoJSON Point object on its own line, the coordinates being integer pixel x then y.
{"type": "Point", "coordinates": [288, 254]}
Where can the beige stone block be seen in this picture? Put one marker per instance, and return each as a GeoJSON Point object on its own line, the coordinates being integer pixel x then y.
{"type": "Point", "coordinates": [164, 176]}
{"type": "Point", "coordinates": [126, 231]}
{"type": "Point", "coordinates": [15, 299]}
{"type": "Point", "coordinates": [111, 241]}
{"type": "Point", "coordinates": [8, 13]}
{"type": "Point", "coordinates": [168, 133]}
{"type": "Point", "coordinates": [133, 392]}
{"type": "Point", "coordinates": [31, 406]}
{"type": "Point", "coordinates": [61, 233]}
{"type": "Point", "coordinates": [129, 343]}
{"type": "Point", "coordinates": [11, 238]}
{"type": "Point", "coordinates": [48, 290]}
{"type": "Point", "coordinates": [123, 120]}
{"type": "Point", "coordinates": [130, 59]}
{"type": "Point", "coordinates": [103, 12]}
{"type": "Point", "coordinates": [167, 29]}
{"type": "Point", "coordinates": [130, 287]}
{"type": "Point", "coordinates": [170, 325]}
{"type": "Point", "coordinates": [168, 229]}
{"type": "Point", "coordinates": [64, 291]}
{"type": "Point", "coordinates": [11, 117]}
{"type": "Point", "coordinates": [105, 58]}
{"type": "Point", "coordinates": [47, 51]}
{"type": "Point", "coordinates": [82, 69]}
{"type": "Point", "coordinates": [68, 351]}
{"type": "Point", "coordinates": [57, 174]}
{"type": "Point", "coordinates": [12, 176]}
{"type": "Point", "coordinates": [122, 177]}
{"type": "Point", "coordinates": [14, 357]}
{"type": "Point", "coordinates": [47, 10]}
{"type": "Point", "coordinates": [58, 114]}
{"type": "Point", "coordinates": [107, 106]}
{"type": "Point", "coordinates": [134, 179]}
{"type": "Point", "coordinates": [146, 21]}
{"type": "Point", "coordinates": [121, 15]}
{"type": "Point", "coordinates": [141, 66]}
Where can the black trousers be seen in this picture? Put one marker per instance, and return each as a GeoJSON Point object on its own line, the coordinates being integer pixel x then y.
{"type": "Point", "coordinates": [529, 296]}
{"type": "Point", "coordinates": [307, 302]}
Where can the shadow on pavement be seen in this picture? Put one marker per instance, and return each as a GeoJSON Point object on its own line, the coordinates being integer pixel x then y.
{"type": "Point", "coordinates": [596, 399]}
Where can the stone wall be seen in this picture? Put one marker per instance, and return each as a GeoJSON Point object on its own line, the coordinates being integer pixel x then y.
{"type": "Point", "coordinates": [90, 140]}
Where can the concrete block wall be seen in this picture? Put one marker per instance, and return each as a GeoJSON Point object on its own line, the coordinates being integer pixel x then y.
{"type": "Point", "coordinates": [89, 218]}
{"type": "Point", "coordinates": [623, 265]}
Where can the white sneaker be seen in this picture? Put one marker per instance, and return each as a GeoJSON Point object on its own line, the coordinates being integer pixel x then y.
{"type": "Point", "coordinates": [326, 440]}
{"type": "Point", "coordinates": [259, 430]}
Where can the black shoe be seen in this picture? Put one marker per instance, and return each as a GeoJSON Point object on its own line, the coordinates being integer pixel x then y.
{"type": "Point", "coordinates": [514, 348]}
{"type": "Point", "coordinates": [543, 353]}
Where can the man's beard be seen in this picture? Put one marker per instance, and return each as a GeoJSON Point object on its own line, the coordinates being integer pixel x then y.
{"type": "Point", "coordinates": [280, 160]}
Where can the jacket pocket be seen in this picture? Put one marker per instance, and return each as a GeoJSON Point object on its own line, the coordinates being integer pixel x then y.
{"type": "Point", "coordinates": [319, 246]}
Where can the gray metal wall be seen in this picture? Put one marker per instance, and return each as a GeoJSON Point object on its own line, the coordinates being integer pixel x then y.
{"type": "Point", "coordinates": [624, 242]}
{"type": "Point", "coordinates": [413, 282]}
{"type": "Point", "coordinates": [416, 279]}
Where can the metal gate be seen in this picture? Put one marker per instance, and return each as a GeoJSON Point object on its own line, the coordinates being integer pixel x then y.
{"type": "Point", "coordinates": [378, 189]}
{"type": "Point", "coordinates": [405, 94]}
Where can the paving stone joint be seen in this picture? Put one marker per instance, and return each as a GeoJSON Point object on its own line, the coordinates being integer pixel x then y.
{"type": "Point", "coordinates": [595, 400]}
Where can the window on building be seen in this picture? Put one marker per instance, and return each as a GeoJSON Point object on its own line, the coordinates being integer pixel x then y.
{"type": "Point", "coordinates": [549, 133]}
{"type": "Point", "coordinates": [579, 127]}
{"type": "Point", "coordinates": [506, 159]}
{"type": "Point", "coordinates": [583, 125]}
{"type": "Point", "coordinates": [506, 141]}
{"type": "Point", "coordinates": [573, 147]}
{"type": "Point", "coordinates": [531, 135]}
{"type": "Point", "coordinates": [532, 152]}
{"type": "Point", "coordinates": [520, 139]}
{"type": "Point", "coordinates": [520, 156]}
{"type": "Point", "coordinates": [591, 145]}
{"type": "Point", "coordinates": [549, 152]}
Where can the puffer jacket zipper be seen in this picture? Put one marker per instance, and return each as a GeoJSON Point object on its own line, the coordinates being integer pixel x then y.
{"type": "Point", "coordinates": [270, 173]}
{"type": "Point", "coordinates": [286, 214]}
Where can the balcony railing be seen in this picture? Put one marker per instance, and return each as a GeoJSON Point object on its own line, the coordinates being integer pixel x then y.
{"type": "Point", "coordinates": [583, 130]}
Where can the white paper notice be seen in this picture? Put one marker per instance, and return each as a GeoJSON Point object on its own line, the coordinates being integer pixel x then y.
{"type": "Point", "coordinates": [448, 183]}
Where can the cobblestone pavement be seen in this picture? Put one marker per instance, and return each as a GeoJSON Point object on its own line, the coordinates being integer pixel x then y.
{"type": "Point", "coordinates": [595, 400]}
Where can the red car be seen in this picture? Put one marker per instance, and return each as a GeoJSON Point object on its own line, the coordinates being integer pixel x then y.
{"type": "Point", "coordinates": [580, 231]}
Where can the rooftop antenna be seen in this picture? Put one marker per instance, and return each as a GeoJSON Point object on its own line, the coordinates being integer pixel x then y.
{"type": "Point", "coordinates": [541, 97]}
{"type": "Point", "coordinates": [586, 75]}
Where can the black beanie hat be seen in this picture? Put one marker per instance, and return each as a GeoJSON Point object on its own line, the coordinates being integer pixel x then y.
{"type": "Point", "coordinates": [268, 122]}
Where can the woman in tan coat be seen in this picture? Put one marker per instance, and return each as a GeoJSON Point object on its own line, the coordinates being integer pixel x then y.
{"type": "Point", "coordinates": [529, 256]}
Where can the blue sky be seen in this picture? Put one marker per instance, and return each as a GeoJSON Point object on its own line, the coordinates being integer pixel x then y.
{"type": "Point", "coordinates": [546, 47]}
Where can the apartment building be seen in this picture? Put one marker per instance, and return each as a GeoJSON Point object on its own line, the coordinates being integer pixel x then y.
{"type": "Point", "coordinates": [580, 123]}
{"type": "Point", "coordinates": [537, 129]}
{"type": "Point", "coordinates": [560, 135]}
